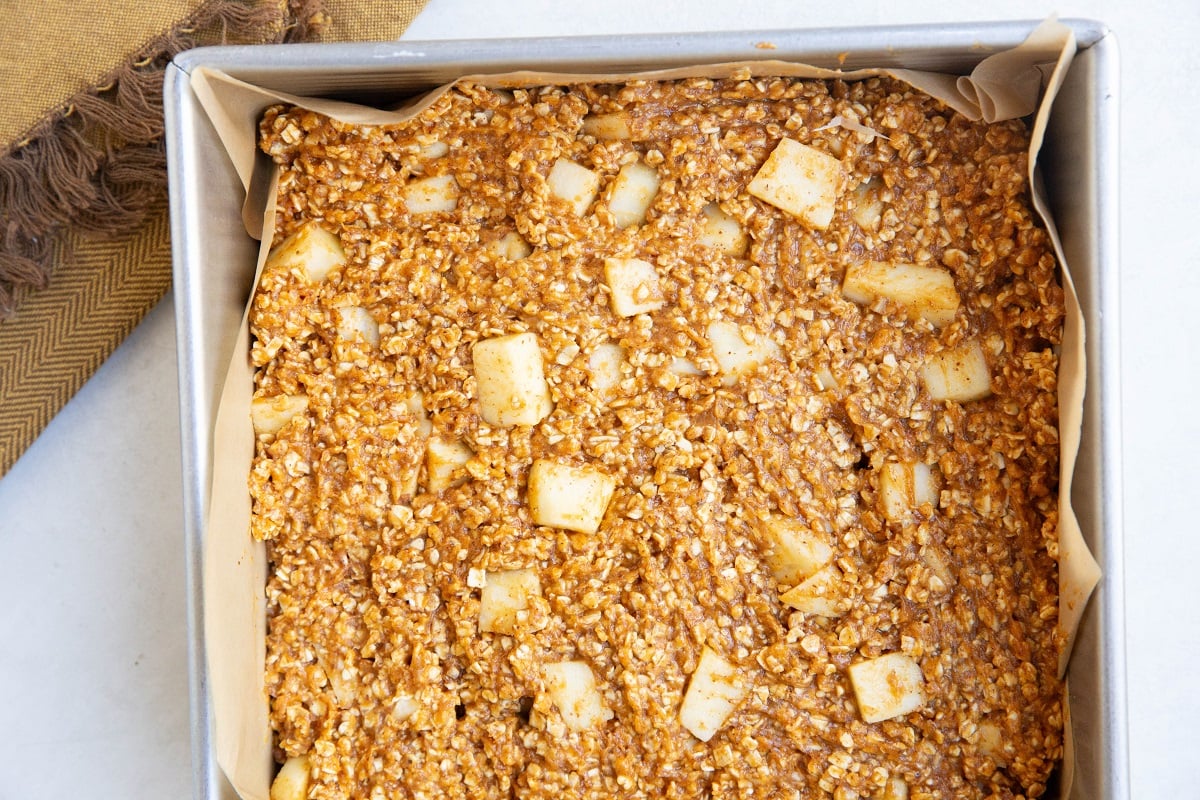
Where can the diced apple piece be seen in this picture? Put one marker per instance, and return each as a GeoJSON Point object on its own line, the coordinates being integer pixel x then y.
{"type": "Point", "coordinates": [942, 577]}
{"type": "Point", "coordinates": [434, 149]}
{"type": "Point", "coordinates": [903, 488]}
{"type": "Point", "coordinates": [927, 292]}
{"type": "Point", "coordinates": [415, 404]}
{"type": "Point", "coordinates": [634, 286]}
{"type": "Point", "coordinates": [270, 414]}
{"type": "Point", "coordinates": [574, 184]}
{"type": "Point", "coordinates": [403, 707]}
{"type": "Point", "coordinates": [683, 366]}
{"type": "Point", "coordinates": [291, 782]}
{"type": "Point", "coordinates": [794, 552]}
{"type": "Point", "coordinates": [895, 789]}
{"type": "Point", "coordinates": [722, 232]}
{"type": "Point", "coordinates": [990, 740]}
{"type": "Point", "coordinates": [960, 374]}
{"type": "Point", "coordinates": [888, 686]}
{"type": "Point", "coordinates": [735, 356]}
{"type": "Point", "coordinates": [572, 498]}
{"type": "Point", "coordinates": [430, 195]}
{"type": "Point", "coordinates": [604, 364]}
{"type": "Point", "coordinates": [572, 689]}
{"type": "Point", "coordinates": [607, 127]}
{"type": "Point", "coordinates": [868, 208]}
{"type": "Point", "coordinates": [633, 192]}
{"type": "Point", "coordinates": [504, 596]}
{"type": "Point", "coordinates": [800, 180]}
{"type": "Point", "coordinates": [313, 249]}
{"type": "Point", "coordinates": [510, 380]}
{"type": "Point", "coordinates": [357, 321]}
{"type": "Point", "coordinates": [510, 247]}
{"type": "Point", "coordinates": [409, 480]}
{"type": "Point", "coordinates": [713, 693]}
{"type": "Point", "coordinates": [444, 463]}
{"type": "Point", "coordinates": [399, 514]}
{"type": "Point", "coordinates": [818, 594]}
{"type": "Point", "coordinates": [825, 380]}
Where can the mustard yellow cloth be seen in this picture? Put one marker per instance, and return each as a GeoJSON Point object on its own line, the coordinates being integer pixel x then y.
{"type": "Point", "coordinates": [84, 244]}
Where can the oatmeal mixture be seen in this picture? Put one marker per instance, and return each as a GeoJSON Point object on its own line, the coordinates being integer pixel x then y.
{"type": "Point", "coordinates": [391, 507]}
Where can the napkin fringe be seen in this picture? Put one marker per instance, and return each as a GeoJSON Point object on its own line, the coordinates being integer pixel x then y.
{"type": "Point", "coordinates": [97, 162]}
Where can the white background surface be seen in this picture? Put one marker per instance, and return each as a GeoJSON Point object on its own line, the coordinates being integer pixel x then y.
{"type": "Point", "coordinates": [93, 686]}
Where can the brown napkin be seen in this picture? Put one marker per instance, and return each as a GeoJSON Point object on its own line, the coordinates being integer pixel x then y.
{"type": "Point", "coordinates": [84, 244]}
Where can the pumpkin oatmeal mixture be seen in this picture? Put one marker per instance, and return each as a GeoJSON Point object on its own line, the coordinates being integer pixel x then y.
{"type": "Point", "coordinates": [687, 439]}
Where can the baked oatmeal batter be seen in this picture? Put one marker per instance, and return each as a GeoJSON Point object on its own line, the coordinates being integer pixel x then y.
{"type": "Point", "coordinates": [376, 667]}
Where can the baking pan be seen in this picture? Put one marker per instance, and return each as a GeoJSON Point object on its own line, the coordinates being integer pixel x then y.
{"type": "Point", "coordinates": [214, 261]}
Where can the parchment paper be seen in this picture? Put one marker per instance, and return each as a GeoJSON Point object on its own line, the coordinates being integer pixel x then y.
{"type": "Point", "coordinates": [1006, 85]}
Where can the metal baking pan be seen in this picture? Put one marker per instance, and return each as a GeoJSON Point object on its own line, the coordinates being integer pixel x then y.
{"type": "Point", "coordinates": [214, 259]}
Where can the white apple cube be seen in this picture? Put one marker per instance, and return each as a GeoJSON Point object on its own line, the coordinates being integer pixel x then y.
{"type": "Point", "coordinates": [895, 789]}
{"type": "Point", "coordinates": [575, 185]}
{"type": "Point", "coordinates": [683, 367]}
{"type": "Point", "coordinates": [568, 497]}
{"type": "Point", "coordinates": [801, 181]}
{"type": "Point", "coordinates": [403, 707]}
{"type": "Point", "coordinates": [504, 596]}
{"type": "Point", "coordinates": [510, 247]}
{"type": "Point", "coordinates": [632, 194]}
{"type": "Point", "coordinates": [868, 208]}
{"type": "Point", "coordinates": [608, 127]}
{"type": "Point", "coordinates": [713, 694]}
{"type": "Point", "coordinates": [888, 686]}
{"type": "Point", "coordinates": [903, 488]}
{"type": "Point", "coordinates": [434, 149]}
{"type": "Point", "coordinates": [942, 577]}
{"type": "Point", "coordinates": [431, 195]}
{"type": "Point", "coordinates": [990, 740]}
{"type": "Point", "coordinates": [825, 380]}
{"type": "Point", "coordinates": [356, 321]}
{"type": "Point", "coordinates": [445, 463]}
{"type": "Point", "coordinates": [794, 552]}
{"type": "Point", "coordinates": [270, 414]}
{"type": "Point", "coordinates": [633, 284]}
{"type": "Point", "coordinates": [312, 249]}
{"type": "Point", "coordinates": [604, 367]}
{"type": "Point", "coordinates": [510, 380]}
{"type": "Point", "coordinates": [927, 292]}
{"type": "Point", "coordinates": [735, 356]}
{"type": "Point", "coordinates": [960, 374]}
{"type": "Point", "coordinates": [291, 782]}
{"type": "Point", "coordinates": [414, 405]}
{"type": "Point", "coordinates": [571, 687]}
{"type": "Point", "coordinates": [723, 233]}
{"type": "Point", "coordinates": [819, 594]}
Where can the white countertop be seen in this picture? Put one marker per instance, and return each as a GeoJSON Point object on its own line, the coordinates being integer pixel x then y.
{"type": "Point", "coordinates": [92, 596]}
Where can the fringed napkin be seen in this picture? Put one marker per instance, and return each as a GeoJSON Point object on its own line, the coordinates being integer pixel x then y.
{"type": "Point", "coordinates": [84, 245]}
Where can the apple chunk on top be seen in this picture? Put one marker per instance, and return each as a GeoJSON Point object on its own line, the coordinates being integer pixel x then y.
{"type": "Point", "coordinates": [801, 181]}
{"type": "Point", "coordinates": [888, 686]}
{"type": "Point", "coordinates": [568, 497]}
{"type": "Point", "coordinates": [312, 250]}
{"type": "Point", "coordinates": [511, 381]}
{"type": "Point", "coordinates": [713, 694]}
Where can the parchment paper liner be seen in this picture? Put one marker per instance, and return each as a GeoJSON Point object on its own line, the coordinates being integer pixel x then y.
{"type": "Point", "coordinates": [1006, 85]}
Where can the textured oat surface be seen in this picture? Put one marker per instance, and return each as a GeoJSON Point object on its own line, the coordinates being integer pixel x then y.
{"type": "Point", "coordinates": [371, 610]}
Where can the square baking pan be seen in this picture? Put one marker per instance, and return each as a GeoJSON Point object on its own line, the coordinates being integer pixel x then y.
{"type": "Point", "coordinates": [214, 262]}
